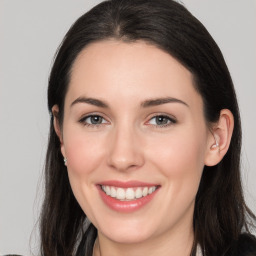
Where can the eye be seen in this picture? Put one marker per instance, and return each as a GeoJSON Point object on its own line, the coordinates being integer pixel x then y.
{"type": "Point", "coordinates": [161, 120]}
{"type": "Point", "coordinates": [93, 120]}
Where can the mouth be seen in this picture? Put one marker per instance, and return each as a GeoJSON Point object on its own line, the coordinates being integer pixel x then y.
{"type": "Point", "coordinates": [127, 197]}
{"type": "Point", "coordinates": [127, 194]}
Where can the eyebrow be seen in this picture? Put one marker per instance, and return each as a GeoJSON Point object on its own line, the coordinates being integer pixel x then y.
{"type": "Point", "coordinates": [161, 101]}
{"type": "Point", "coordinates": [144, 104]}
{"type": "Point", "coordinates": [91, 101]}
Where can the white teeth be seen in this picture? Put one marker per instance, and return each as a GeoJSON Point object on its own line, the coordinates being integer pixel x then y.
{"type": "Point", "coordinates": [108, 191]}
{"type": "Point", "coordinates": [150, 190]}
{"type": "Point", "coordinates": [138, 193]}
{"type": "Point", "coordinates": [145, 191]}
{"type": "Point", "coordinates": [120, 193]}
{"type": "Point", "coordinates": [112, 192]}
{"type": "Point", "coordinates": [128, 193]}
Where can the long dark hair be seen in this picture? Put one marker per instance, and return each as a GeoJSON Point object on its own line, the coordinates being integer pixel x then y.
{"type": "Point", "coordinates": [221, 214]}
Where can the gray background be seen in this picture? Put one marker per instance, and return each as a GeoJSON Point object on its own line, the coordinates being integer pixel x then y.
{"type": "Point", "coordinates": [30, 32]}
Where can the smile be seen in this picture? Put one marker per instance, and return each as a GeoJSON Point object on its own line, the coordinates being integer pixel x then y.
{"type": "Point", "coordinates": [127, 197]}
{"type": "Point", "coordinates": [128, 194]}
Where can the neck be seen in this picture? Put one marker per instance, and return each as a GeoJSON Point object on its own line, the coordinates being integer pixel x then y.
{"type": "Point", "coordinates": [172, 244]}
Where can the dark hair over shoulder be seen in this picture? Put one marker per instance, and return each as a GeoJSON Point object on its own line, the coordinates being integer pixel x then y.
{"type": "Point", "coordinates": [220, 211]}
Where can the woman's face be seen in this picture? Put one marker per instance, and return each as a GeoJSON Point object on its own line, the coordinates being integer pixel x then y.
{"type": "Point", "coordinates": [135, 139]}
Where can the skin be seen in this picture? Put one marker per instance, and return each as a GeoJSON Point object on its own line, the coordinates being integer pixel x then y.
{"type": "Point", "coordinates": [130, 145]}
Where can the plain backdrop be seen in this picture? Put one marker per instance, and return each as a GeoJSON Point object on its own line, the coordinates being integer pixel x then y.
{"type": "Point", "coordinates": [30, 32]}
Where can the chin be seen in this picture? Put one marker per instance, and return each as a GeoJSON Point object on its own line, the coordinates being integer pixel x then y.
{"type": "Point", "coordinates": [125, 237]}
{"type": "Point", "coordinates": [128, 233]}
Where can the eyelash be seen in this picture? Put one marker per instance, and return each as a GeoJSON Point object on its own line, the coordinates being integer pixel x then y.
{"type": "Point", "coordinates": [83, 121]}
{"type": "Point", "coordinates": [170, 121]}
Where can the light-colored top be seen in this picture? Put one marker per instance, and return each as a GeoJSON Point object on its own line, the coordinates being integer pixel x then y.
{"type": "Point", "coordinates": [199, 251]}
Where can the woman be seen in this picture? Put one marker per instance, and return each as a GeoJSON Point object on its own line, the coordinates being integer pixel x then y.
{"type": "Point", "coordinates": [145, 116]}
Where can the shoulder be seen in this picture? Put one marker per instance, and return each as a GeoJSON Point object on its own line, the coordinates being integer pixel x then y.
{"type": "Point", "coordinates": [246, 245]}
{"type": "Point", "coordinates": [11, 255]}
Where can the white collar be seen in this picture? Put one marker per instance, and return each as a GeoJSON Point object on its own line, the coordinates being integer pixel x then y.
{"type": "Point", "coordinates": [199, 251]}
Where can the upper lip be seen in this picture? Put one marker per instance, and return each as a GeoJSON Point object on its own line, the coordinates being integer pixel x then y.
{"type": "Point", "coordinates": [126, 184]}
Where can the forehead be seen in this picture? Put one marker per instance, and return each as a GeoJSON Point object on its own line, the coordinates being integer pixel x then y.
{"type": "Point", "coordinates": [130, 71]}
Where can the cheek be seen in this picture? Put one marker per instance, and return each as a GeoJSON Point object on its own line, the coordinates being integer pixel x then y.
{"type": "Point", "coordinates": [179, 151]}
{"type": "Point", "coordinates": [180, 158]}
{"type": "Point", "coordinates": [83, 152]}
{"type": "Point", "coordinates": [182, 163]}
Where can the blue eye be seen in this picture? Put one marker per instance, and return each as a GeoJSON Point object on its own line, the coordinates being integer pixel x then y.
{"type": "Point", "coordinates": [93, 120]}
{"type": "Point", "coordinates": [161, 120]}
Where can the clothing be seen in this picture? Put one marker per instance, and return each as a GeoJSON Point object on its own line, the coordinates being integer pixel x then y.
{"type": "Point", "coordinates": [199, 251]}
{"type": "Point", "coordinates": [245, 246]}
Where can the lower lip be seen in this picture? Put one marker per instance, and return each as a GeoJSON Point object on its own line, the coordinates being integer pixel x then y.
{"type": "Point", "coordinates": [126, 206]}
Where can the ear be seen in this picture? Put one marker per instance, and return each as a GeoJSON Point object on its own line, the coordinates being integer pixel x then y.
{"type": "Point", "coordinates": [57, 128]}
{"type": "Point", "coordinates": [219, 138]}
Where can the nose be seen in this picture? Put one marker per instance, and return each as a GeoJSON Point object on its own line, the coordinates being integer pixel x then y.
{"type": "Point", "coordinates": [125, 151]}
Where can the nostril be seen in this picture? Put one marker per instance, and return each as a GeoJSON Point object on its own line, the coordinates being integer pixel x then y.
{"type": "Point", "coordinates": [124, 153]}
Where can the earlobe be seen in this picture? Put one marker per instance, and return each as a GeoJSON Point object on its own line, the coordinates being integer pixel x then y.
{"type": "Point", "coordinates": [220, 138]}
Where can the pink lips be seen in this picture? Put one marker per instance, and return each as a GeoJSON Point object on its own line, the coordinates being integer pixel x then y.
{"type": "Point", "coordinates": [126, 206]}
